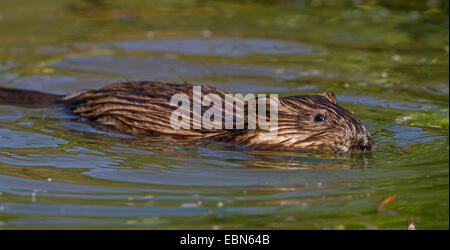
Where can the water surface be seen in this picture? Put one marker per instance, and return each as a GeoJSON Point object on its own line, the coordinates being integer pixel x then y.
{"type": "Point", "coordinates": [388, 65]}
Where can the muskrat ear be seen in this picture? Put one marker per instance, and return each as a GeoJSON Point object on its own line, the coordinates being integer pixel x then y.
{"type": "Point", "coordinates": [330, 96]}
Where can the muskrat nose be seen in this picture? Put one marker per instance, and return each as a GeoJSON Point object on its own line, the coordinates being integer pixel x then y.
{"type": "Point", "coordinates": [365, 143]}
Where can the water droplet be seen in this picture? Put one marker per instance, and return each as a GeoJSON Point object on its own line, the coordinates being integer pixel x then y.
{"type": "Point", "coordinates": [150, 34]}
{"type": "Point", "coordinates": [206, 33]}
{"type": "Point", "coordinates": [396, 58]}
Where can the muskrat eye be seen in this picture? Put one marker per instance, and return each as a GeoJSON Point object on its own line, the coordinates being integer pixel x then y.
{"type": "Point", "coordinates": [319, 118]}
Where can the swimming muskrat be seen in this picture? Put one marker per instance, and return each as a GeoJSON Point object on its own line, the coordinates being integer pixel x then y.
{"type": "Point", "coordinates": [143, 109]}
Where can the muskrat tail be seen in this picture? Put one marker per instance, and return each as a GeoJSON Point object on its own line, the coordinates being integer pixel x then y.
{"type": "Point", "coordinates": [27, 97]}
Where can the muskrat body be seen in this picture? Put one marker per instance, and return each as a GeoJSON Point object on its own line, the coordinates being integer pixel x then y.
{"type": "Point", "coordinates": [144, 109]}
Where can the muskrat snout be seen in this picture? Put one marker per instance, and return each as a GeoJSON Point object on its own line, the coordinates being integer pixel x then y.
{"type": "Point", "coordinates": [366, 143]}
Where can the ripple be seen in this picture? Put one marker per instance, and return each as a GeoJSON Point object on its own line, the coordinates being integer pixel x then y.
{"type": "Point", "coordinates": [216, 177]}
{"type": "Point", "coordinates": [136, 67]}
{"type": "Point", "coordinates": [258, 70]}
{"type": "Point", "coordinates": [62, 161]}
{"type": "Point", "coordinates": [9, 113]}
{"type": "Point", "coordinates": [18, 139]}
{"type": "Point", "coordinates": [87, 128]}
{"type": "Point", "coordinates": [7, 65]}
{"type": "Point", "coordinates": [385, 103]}
{"type": "Point", "coordinates": [99, 210]}
{"type": "Point", "coordinates": [405, 135]}
{"type": "Point", "coordinates": [60, 84]}
{"type": "Point", "coordinates": [215, 46]}
{"type": "Point", "coordinates": [154, 68]}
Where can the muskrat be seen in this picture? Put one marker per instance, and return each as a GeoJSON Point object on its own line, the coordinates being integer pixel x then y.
{"type": "Point", "coordinates": [143, 109]}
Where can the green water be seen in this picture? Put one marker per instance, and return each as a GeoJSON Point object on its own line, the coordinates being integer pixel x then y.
{"type": "Point", "coordinates": [387, 62]}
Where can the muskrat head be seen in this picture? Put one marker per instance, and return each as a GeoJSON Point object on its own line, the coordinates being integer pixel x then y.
{"type": "Point", "coordinates": [318, 122]}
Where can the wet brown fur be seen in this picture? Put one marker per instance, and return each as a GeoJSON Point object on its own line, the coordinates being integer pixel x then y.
{"type": "Point", "coordinates": [143, 108]}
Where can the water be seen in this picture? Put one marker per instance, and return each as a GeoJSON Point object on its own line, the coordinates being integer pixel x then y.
{"type": "Point", "coordinates": [389, 66]}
